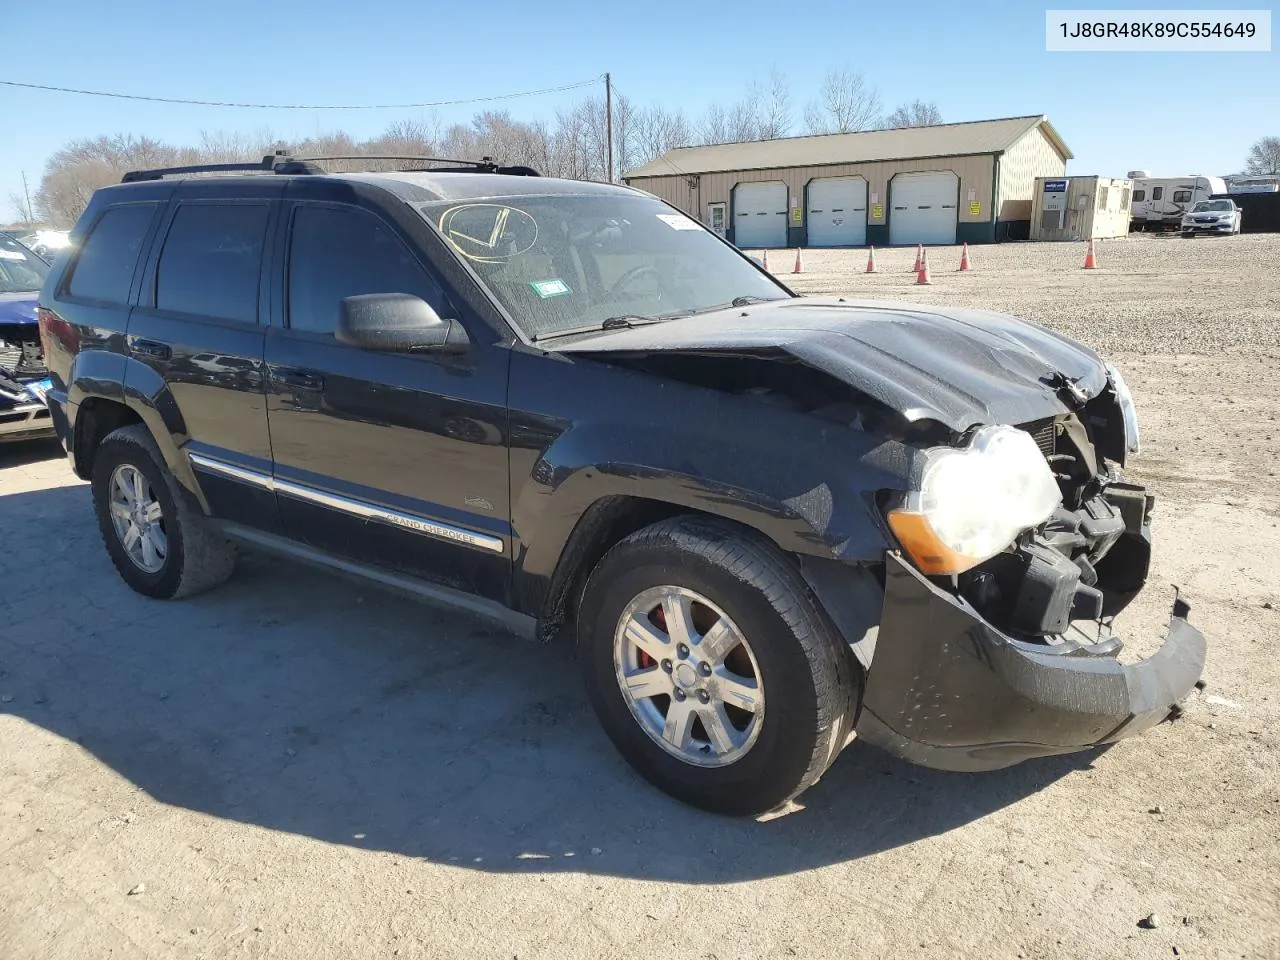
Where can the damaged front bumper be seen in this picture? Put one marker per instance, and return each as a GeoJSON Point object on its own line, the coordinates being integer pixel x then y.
{"type": "Point", "coordinates": [948, 690]}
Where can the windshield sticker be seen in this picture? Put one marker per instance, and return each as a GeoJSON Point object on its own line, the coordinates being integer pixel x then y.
{"type": "Point", "coordinates": [550, 288]}
{"type": "Point", "coordinates": [11, 255]}
{"type": "Point", "coordinates": [677, 221]}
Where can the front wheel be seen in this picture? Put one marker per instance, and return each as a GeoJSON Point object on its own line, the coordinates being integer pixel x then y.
{"type": "Point", "coordinates": [712, 668]}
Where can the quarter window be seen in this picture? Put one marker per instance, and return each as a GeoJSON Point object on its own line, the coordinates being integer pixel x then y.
{"type": "Point", "coordinates": [104, 269]}
{"type": "Point", "coordinates": [337, 253]}
{"type": "Point", "coordinates": [212, 260]}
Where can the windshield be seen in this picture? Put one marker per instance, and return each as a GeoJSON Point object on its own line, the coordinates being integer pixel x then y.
{"type": "Point", "coordinates": [559, 263]}
{"type": "Point", "coordinates": [1212, 206]}
{"type": "Point", "coordinates": [21, 271]}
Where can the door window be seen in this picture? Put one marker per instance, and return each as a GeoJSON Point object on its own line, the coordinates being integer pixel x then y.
{"type": "Point", "coordinates": [1157, 193]}
{"type": "Point", "coordinates": [104, 269]}
{"type": "Point", "coordinates": [335, 253]}
{"type": "Point", "coordinates": [212, 260]}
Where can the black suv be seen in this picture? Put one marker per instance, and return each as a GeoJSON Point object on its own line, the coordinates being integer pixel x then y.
{"type": "Point", "coordinates": [771, 520]}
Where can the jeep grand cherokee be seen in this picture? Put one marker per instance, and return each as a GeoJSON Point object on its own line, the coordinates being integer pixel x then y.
{"type": "Point", "coordinates": [770, 521]}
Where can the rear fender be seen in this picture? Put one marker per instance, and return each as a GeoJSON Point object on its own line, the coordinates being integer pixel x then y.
{"type": "Point", "coordinates": [100, 375]}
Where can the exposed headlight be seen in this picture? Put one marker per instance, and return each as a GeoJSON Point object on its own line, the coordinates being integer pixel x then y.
{"type": "Point", "coordinates": [1132, 442]}
{"type": "Point", "coordinates": [973, 502]}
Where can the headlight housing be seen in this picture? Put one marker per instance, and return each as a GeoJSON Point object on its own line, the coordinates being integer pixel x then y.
{"type": "Point", "coordinates": [972, 502]}
{"type": "Point", "coordinates": [1132, 442]}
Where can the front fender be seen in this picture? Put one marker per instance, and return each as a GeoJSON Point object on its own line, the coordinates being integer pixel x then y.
{"type": "Point", "coordinates": [809, 497]}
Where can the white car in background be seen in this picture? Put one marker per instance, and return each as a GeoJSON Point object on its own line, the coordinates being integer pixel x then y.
{"type": "Point", "coordinates": [1211, 216]}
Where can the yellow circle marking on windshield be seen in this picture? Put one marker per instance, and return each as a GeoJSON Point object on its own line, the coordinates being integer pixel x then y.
{"type": "Point", "coordinates": [489, 232]}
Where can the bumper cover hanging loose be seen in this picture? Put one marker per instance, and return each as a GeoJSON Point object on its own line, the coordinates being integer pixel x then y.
{"type": "Point", "coordinates": [948, 690]}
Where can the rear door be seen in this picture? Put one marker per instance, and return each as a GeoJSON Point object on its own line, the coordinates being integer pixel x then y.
{"type": "Point", "coordinates": [199, 326]}
{"type": "Point", "coordinates": [398, 460]}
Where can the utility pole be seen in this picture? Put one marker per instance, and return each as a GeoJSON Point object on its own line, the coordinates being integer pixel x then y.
{"type": "Point", "coordinates": [608, 120]}
{"type": "Point", "coordinates": [27, 194]}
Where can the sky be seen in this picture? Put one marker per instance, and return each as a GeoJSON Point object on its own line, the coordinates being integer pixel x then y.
{"type": "Point", "coordinates": [1172, 113]}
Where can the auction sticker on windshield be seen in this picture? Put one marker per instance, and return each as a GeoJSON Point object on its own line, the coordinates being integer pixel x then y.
{"type": "Point", "coordinates": [677, 222]}
{"type": "Point", "coordinates": [550, 288]}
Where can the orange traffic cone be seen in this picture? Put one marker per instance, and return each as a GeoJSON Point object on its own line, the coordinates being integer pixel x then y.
{"type": "Point", "coordinates": [764, 259]}
{"type": "Point", "coordinates": [923, 276]}
{"type": "Point", "coordinates": [1090, 261]}
{"type": "Point", "coordinates": [919, 257]}
{"type": "Point", "coordinates": [871, 261]}
{"type": "Point", "coordinates": [799, 267]}
{"type": "Point", "coordinates": [964, 259]}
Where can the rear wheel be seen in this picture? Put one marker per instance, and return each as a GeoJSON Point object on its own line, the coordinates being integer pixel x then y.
{"type": "Point", "coordinates": [712, 668]}
{"type": "Point", "coordinates": [161, 544]}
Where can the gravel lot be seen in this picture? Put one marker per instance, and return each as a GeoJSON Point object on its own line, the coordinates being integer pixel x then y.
{"type": "Point", "coordinates": [294, 766]}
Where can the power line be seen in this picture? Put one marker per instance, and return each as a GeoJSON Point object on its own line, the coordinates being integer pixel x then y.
{"type": "Point", "coordinates": [301, 106]}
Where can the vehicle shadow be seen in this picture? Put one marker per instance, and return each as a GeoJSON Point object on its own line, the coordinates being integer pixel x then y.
{"type": "Point", "coordinates": [296, 701]}
{"type": "Point", "coordinates": [22, 453]}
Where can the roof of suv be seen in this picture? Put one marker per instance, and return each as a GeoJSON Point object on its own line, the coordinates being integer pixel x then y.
{"type": "Point", "coordinates": [426, 185]}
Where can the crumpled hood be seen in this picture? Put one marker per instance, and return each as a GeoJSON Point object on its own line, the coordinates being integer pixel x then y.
{"type": "Point", "coordinates": [18, 307]}
{"type": "Point", "coordinates": [959, 367]}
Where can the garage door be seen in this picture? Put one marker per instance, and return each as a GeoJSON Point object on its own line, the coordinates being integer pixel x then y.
{"type": "Point", "coordinates": [923, 207]}
{"type": "Point", "coordinates": [837, 212]}
{"type": "Point", "coordinates": [760, 214]}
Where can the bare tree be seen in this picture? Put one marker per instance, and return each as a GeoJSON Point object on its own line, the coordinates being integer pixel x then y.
{"type": "Point", "coordinates": [845, 104]}
{"type": "Point", "coordinates": [917, 113]}
{"type": "Point", "coordinates": [775, 109]}
{"type": "Point", "coordinates": [1264, 157]}
{"type": "Point", "coordinates": [18, 203]}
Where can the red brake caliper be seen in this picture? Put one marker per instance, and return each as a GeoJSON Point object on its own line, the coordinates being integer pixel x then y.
{"type": "Point", "coordinates": [661, 617]}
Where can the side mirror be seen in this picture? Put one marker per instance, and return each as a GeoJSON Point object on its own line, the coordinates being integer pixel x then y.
{"type": "Point", "coordinates": [397, 322]}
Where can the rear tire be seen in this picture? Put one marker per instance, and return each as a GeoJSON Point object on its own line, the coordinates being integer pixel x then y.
{"type": "Point", "coordinates": [162, 545]}
{"type": "Point", "coordinates": [789, 666]}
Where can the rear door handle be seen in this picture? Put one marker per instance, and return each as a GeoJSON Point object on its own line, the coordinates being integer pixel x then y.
{"type": "Point", "coordinates": [305, 379]}
{"type": "Point", "coordinates": [150, 348]}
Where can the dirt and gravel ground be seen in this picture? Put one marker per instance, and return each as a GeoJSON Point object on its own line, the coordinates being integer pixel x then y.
{"type": "Point", "coordinates": [294, 766]}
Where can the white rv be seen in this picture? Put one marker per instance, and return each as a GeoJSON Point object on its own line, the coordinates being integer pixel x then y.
{"type": "Point", "coordinates": [1160, 202]}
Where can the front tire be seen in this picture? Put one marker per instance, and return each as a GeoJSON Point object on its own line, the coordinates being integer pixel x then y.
{"type": "Point", "coordinates": [161, 544]}
{"type": "Point", "coordinates": [712, 668]}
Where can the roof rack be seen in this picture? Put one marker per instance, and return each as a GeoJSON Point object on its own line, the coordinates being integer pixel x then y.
{"type": "Point", "coordinates": [281, 163]}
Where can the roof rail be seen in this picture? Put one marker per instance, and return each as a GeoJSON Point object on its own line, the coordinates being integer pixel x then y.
{"type": "Point", "coordinates": [483, 165]}
{"type": "Point", "coordinates": [282, 163]}
{"type": "Point", "coordinates": [268, 164]}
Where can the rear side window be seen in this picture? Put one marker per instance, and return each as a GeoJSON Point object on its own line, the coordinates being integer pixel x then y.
{"type": "Point", "coordinates": [335, 253]}
{"type": "Point", "coordinates": [212, 260]}
{"type": "Point", "coordinates": [104, 269]}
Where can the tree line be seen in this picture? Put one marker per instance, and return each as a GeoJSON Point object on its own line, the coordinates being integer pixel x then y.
{"type": "Point", "coordinates": [573, 144]}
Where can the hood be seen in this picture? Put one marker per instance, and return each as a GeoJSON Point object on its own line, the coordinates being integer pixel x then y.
{"type": "Point", "coordinates": [958, 367]}
{"type": "Point", "coordinates": [18, 307]}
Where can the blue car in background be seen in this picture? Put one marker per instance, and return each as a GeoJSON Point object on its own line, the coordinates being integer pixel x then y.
{"type": "Point", "coordinates": [23, 376]}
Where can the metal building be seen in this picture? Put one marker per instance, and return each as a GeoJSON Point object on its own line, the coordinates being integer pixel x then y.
{"type": "Point", "coordinates": [950, 183]}
{"type": "Point", "coordinates": [1081, 208]}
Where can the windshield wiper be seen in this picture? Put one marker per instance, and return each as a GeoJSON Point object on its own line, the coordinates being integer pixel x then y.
{"type": "Point", "coordinates": [621, 322]}
{"type": "Point", "coordinates": [748, 301]}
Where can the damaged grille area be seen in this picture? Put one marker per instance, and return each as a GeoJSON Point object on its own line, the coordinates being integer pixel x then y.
{"type": "Point", "coordinates": [1045, 434]}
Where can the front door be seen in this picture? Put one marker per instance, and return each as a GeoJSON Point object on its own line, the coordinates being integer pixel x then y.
{"type": "Point", "coordinates": [716, 215]}
{"type": "Point", "coordinates": [394, 459]}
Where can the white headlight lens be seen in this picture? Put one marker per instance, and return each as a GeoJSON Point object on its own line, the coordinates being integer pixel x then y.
{"type": "Point", "coordinates": [972, 503]}
{"type": "Point", "coordinates": [1132, 442]}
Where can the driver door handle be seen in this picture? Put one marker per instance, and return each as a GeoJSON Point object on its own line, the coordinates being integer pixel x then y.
{"type": "Point", "coordinates": [293, 377]}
